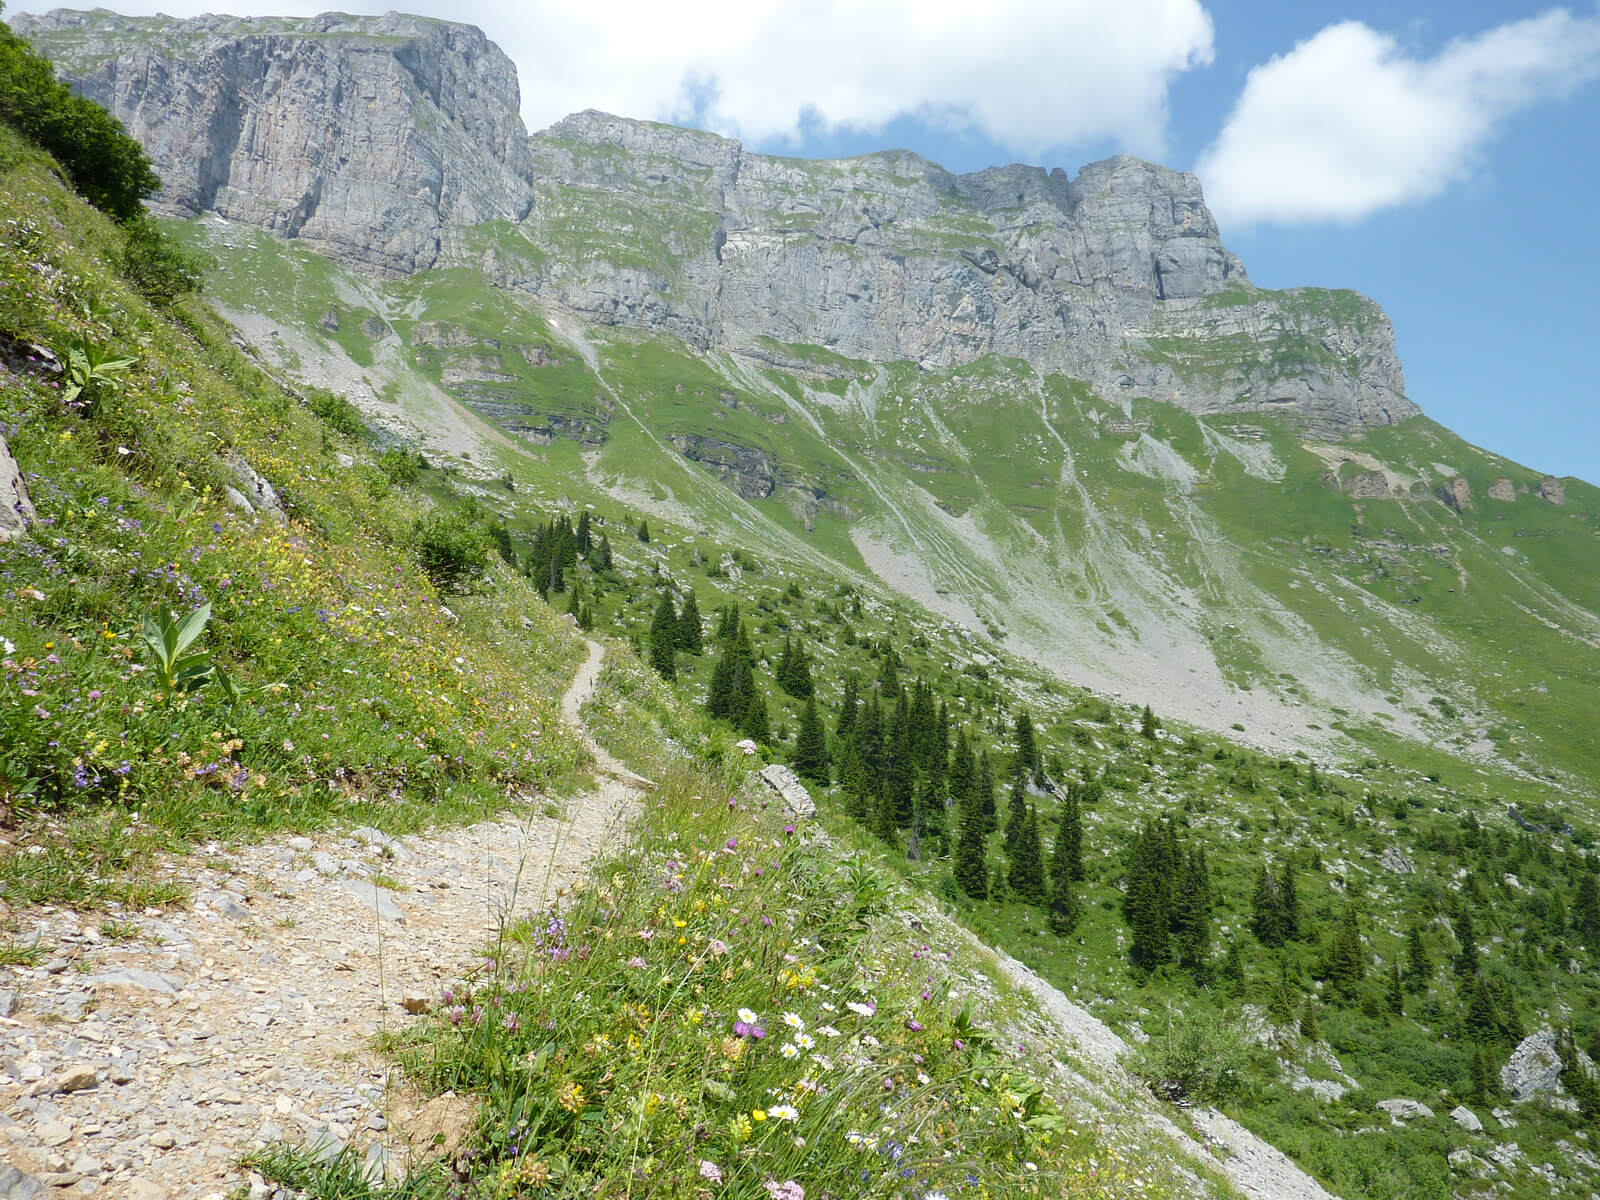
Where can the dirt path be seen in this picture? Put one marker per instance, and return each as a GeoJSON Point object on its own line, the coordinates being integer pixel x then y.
{"type": "Point", "coordinates": [142, 1059]}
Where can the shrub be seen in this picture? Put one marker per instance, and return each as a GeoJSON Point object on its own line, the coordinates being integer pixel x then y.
{"type": "Point", "coordinates": [155, 264]}
{"type": "Point", "coordinates": [452, 549]}
{"type": "Point", "coordinates": [401, 465]}
{"type": "Point", "coordinates": [1197, 1058]}
{"type": "Point", "coordinates": [107, 166]}
{"type": "Point", "coordinates": [336, 412]}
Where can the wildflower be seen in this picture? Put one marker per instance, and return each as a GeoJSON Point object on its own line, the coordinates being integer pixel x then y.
{"type": "Point", "coordinates": [710, 1170]}
{"type": "Point", "coordinates": [828, 1031]}
{"type": "Point", "coordinates": [784, 1112]}
{"type": "Point", "coordinates": [758, 1114]}
{"type": "Point", "coordinates": [804, 1040]}
{"type": "Point", "coordinates": [790, 1050]}
{"type": "Point", "coordinates": [793, 1021]}
{"type": "Point", "coordinates": [787, 1190]}
{"type": "Point", "coordinates": [860, 1009]}
{"type": "Point", "coordinates": [914, 1025]}
{"type": "Point", "coordinates": [571, 1097]}
{"type": "Point", "coordinates": [748, 1016]}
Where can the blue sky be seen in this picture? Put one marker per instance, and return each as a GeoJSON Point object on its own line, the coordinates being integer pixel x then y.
{"type": "Point", "coordinates": [1444, 159]}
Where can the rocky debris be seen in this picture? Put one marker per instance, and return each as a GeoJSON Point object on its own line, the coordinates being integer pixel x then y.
{"type": "Point", "coordinates": [1456, 494]}
{"type": "Point", "coordinates": [16, 509]}
{"type": "Point", "coordinates": [379, 900]}
{"type": "Point", "coordinates": [1401, 1110]}
{"type": "Point", "coordinates": [330, 320]}
{"type": "Point", "coordinates": [14, 1185]}
{"type": "Point", "coordinates": [364, 136]}
{"type": "Point", "coordinates": [257, 493]}
{"type": "Point", "coordinates": [1503, 490]}
{"type": "Point", "coordinates": [1550, 489]}
{"type": "Point", "coordinates": [749, 473]}
{"type": "Point", "coordinates": [1466, 1118]}
{"type": "Point", "coordinates": [1367, 485]}
{"type": "Point", "coordinates": [1534, 1067]}
{"type": "Point", "coordinates": [790, 790]}
{"type": "Point", "coordinates": [1393, 859]}
{"type": "Point", "coordinates": [8, 1001]}
{"type": "Point", "coordinates": [1468, 1163]}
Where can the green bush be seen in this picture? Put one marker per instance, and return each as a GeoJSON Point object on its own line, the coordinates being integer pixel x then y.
{"type": "Point", "coordinates": [336, 412]}
{"type": "Point", "coordinates": [1198, 1057]}
{"type": "Point", "coordinates": [401, 465]}
{"type": "Point", "coordinates": [107, 166]}
{"type": "Point", "coordinates": [155, 264]}
{"type": "Point", "coordinates": [452, 549]}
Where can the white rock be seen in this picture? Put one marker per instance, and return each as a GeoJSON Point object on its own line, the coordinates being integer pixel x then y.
{"type": "Point", "coordinates": [1466, 1118]}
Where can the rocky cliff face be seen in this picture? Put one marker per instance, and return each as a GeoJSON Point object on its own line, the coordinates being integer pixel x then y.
{"type": "Point", "coordinates": [382, 140]}
{"type": "Point", "coordinates": [365, 136]}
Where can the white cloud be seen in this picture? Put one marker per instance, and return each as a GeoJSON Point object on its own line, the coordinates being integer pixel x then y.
{"type": "Point", "coordinates": [1029, 74]}
{"type": "Point", "coordinates": [1346, 124]}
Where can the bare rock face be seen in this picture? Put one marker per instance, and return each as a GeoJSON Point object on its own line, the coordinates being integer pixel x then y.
{"type": "Point", "coordinates": [16, 509]}
{"type": "Point", "coordinates": [365, 136]}
{"type": "Point", "coordinates": [1503, 490]}
{"type": "Point", "coordinates": [380, 139]}
{"type": "Point", "coordinates": [1457, 494]}
{"type": "Point", "coordinates": [1534, 1067]}
{"type": "Point", "coordinates": [1550, 489]}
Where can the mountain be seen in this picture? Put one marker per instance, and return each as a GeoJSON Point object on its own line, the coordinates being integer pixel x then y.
{"type": "Point", "coordinates": [1053, 410]}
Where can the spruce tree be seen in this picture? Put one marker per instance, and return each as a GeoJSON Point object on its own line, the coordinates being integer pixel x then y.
{"type": "Point", "coordinates": [602, 554]}
{"type": "Point", "coordinates": [754, 723]}
{"type": "Point", "coordinates": [1016, 811]}
{"type": "Point", "coordinates": [643, 532]}
{"type": "Point", "coordinates": [986, 804]}
{"type": "Point", "coordinates": [1309, 1026]}
{"type": "Point", "coordinates": [811, 747]}
{"type": "Point", "coordinates": [971, 869]}
{"type": "Point", "coordinates": [1268, 920]}
{"type": "Point", "coordinates": [1346, 964]}
{"type": "Point", "coordinates": [1191, 914]}
{"type": "Point", "coordinates": [664, 638]}
{"type": "Point", "coordinates": [1466, 960]}
{"type": "Point", "coordinates": [1145, 904]}
{"type": "Point", "coordinates": [1289, 896]}
{"type": "Point", "coordinates": [1147, 724]}
{"type": "Point", "coordinates": [1028, 761]}
{"type": "Point", "coordinates": [1397, 993]}
{"type": "Point", "coordinates": [1419, 968]}
{"type": "Point", "coordinates": [691, 637]}
{"type": "Point", "coordinates": [583, 536]}
{"type": "Point", "coordinates": [1066, 860]}
{"type": "Point", "coordinates": [1586, 910]}
{"type": "Point", "coordinates": [1027, 862]}
{"type": "Point", "coordinates": [1063, 913]}
{"type": "Point", "coordinates": [847, 709]}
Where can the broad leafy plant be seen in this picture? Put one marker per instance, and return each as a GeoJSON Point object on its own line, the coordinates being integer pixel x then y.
{"type": "Point", "coordinates": [177, 667]}
{"type": "Point", "coordinates": [88, 368]}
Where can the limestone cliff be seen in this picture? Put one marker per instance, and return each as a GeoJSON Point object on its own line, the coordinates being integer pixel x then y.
{"type": "Point", "coordinates": [391, 142]}
{"type": "Point", "coordinates": [364, 136]}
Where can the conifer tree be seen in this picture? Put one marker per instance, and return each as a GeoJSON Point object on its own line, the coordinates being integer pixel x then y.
{"type": "Point", "coordinates": [1484, 1086]}
{"type": "Point", "coordinates": [1419, 968]}
{"type": "Point", "coordinates": [728, 623]}
{"type": "Point", "coordinates": [1027, 862]}
{"type": "Point", "coordinates": [1233, 967]}
{"type": "Point", "coordinates": [1466, 960]}
{"type": "Point", "coordinates": [971, 868]}
{"type": "Point", "coordinates": [583, 536]}
{"type": "Point", "coordinates": [986, 804]}
{"type": "Point", "coordinates": [643, 532]}
{"type": "Point", "coordinates": [1067, 855]}
{"type": "Point", "coordinates": [691, 637]}
{"type": "Point", "coordinates": [963, 773]}
{"type": "Point", "coordinates": [889, 672]}
{"type": "Point", "coordinates": [1290, 899]}
{"type": "Point", "coordinates": [602, 554]}
{"type": "Point", "coordinates": [1268, 919]}
{"type": "Point", "coordinates": [1586, 910]}
{"type": "Point", "coordinates": [1191, 913]}
{"type": "Point", "coordinates": [1028, 761]}
{"type": "Point", "coordinates": [847, 709]}
{"type": "Point", "coordinates": [1017, 811]}
{"type": "Point", "coordinates": [1064, 911]}
{"type": "Point", "coordinates": [1309, 1026]}
{"type": "Point", "coordinates": [1147, 724]}
{"type": "Point", "coordinates": [754, 723]}
{"type": "Point", "coordinates": [1397, 993]}
{"type": "Point", "coordinates": [1145, 903]}
{"type": "Point", "coordinates": [664, 638]}
{"type": "Point", "coordinates": [1345, 965]}
{"type": "Point", "coordinates": [811, 747]}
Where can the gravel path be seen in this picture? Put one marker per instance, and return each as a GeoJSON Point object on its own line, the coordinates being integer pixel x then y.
{"type": "Point", "coordinates": [143, 1066]}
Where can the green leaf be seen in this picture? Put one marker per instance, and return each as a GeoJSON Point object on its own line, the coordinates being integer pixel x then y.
{"type": "Point", "coordinates": [192, 627]}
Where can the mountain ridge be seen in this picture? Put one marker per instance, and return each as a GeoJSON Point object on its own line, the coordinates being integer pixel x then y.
{"type": "Point", "coordinates": [316, 128]}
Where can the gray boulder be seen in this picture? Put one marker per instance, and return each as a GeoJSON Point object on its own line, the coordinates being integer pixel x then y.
{"type": "Point", "coordinates": [1466, 1118]}
{"type": "Point", "coordinates": [1401, 1110]}
{"type": "Point", "coordinates": [1534, 1067]}
{"type": "Point", "coordinates": [790, 790]}
{"type": "Point", "coordinates": [16, 509]}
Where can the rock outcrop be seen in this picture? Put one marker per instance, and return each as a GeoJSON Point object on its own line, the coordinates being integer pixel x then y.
{"type": "Point", "coordinates": [1534, 1067]}
{"type": "Point", "coordinates": [378, 139]}
{"type": "Point", "coordinates": [364, 136]}
{"type": "Point", "coordinates": [1550, 489]}
{"type": "Point", "coordinates": [16, 509]}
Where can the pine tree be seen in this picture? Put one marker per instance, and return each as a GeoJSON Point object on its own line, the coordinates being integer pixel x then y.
{"type": "Point", "coordinates": [1466, 960]}
{"type": "Point", "coordinates": [1397, 993]}
{"type": "Point", "coordinates": [1233, 967]}
{"type": "Point", "coordinates": [1309, 1026]}
{"type": "Point", "coordinates": [1145, 903]}
{"type": "Point", "coordinates": [986, 804]}
{"type": "Point", "coordinates": [1067, 854]}
{"type": "Point", "coordinates": [1027, 862]}
{"type": "Point", "coordinates": [1063, 913]}
{"type": "Point", "coordinates": [1268, 919]}
{"type": "Point", "coordinates": [889, 672]}
{"type": "Point", "coordinates": [847, 709]}
{"type": "Point", "coordinates": [602, 555]}
{"type": "Point", "coordinates": [1586, 910]}
{"type": "Point", "coordinates": [1017, 811]}
{"type": "Point", "coordinates": [811, 747]}
{"type": "Point", "coordinates": [664, 638]}
{"type": "Point", "coordinates": [1419, 968]}
{"type": "Point", "coordinates": [754, 723]}
{"type": "Point", "coordinates": [1029, 763]}
{"type": "Point", "coordinates": [1345, 965]}
{"type": "Point", "coordinates": [643, 532]}
{"type": "Point", "coordinates": [1290, 898]}
{"type": "Point", "coordinates": [971, 869]}
{"type": "Point", "coordinates": [1485, 1085]}
{"type": "Point", "coordinates": [1191, 913]}
{"type": "Point", "coordinates": [1147, 724]}
{"type": "Point", "coordinates": [691, 638]}
{"type": "Point", "coordinates": [583, 535]}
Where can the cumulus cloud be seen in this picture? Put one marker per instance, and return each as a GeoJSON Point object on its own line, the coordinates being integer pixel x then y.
{"type": "Point", "coordinates": [1029, 74]}
{"type": "Point", "coordinates": [1347, 123]}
